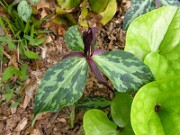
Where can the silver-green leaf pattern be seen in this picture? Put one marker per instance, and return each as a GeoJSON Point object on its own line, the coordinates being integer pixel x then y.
{"type": "Point", "coordinates": [24, 10]}
{"type": "Point", "coordinates": [126, 72]}
{"type": "Point", "coordinates": [62, 85]}
{"type": "Point", "coordinates": [138, 7]}
{"type": "Point", "coordinates": [74, 39]}
{"type": "Point", "coordinates": [170, 3]}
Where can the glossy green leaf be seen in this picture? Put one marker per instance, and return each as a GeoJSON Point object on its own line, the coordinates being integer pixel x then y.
{"type": "Point", "coordinates": [155, 109]}
{"type": "Point", "coordinates": [24, 10]}
{"type": "Point", "coordinates": [31, 55]}
{"type": "Point", "coordinates": [8, 41]}
{"type": "Point", "coordinates": [170, 2]}
{"type": "Point", "coordinates": [120, 109]}
{"type": "Point", "coordinates": [74, 39]}
{"type": "Point", "coordinates": [154, 38]}
{"type": "Point", "coordinates": [95, 102]}
{"type": "Point", "coordinates": [109, 12]}
{"type": "Point", "coordinates": [68, 4]}
{"type": "Point", "coordinates": [95, 122]}
{"type": "Point", "coordinates": [62, 85]}
{"type": "Point", "coordinates": [126, 72]}
{"type": "Point", "coordinates": [98, 5]}
{"type": "Point", "coordinates": [138, 7]}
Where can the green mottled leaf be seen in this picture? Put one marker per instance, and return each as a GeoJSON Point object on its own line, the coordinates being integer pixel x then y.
{"type": "Point", "coordinates": [92, 103]}
{"type": "Point", "coordinates": [155, 109]}
{"type": "Point", "coordinates": [170, 3]}
{"type": "Point", "coordinates": [62, 85]}
{"type": "Point", "coordinates": [24, 10]}
{"type": "Point", "coordinates": [95, 122]}
{"type": "Point", "coordinates": [126, 72]}
{"type": "Point", "coordinates": [138, 7]}
{"type": "Point", "coordinates": [154, 38]}
{"type": "Point", "coordinates": [74, 39]}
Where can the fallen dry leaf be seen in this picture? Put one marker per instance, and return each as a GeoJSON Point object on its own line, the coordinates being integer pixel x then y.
{"type": "Point", "coordinates": [22, 124]}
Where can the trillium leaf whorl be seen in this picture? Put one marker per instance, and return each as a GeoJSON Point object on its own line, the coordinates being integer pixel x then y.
{"type": "Point", "coordinates": [62, 85]}
{"type": "Point", "coordinates": [126, 72]}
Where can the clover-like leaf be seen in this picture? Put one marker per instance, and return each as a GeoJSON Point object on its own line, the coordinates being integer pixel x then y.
{"type": "Point", "coordinates": [154, 38]}
{"type": "Point", "coordinates": [155, 109]}
{"type": "Point", "coordinates": [62, 85]}
{"type": "Point", "coordinates": [24, 10]}
{"type": "Point", "coordinates": [74, 39]}
{"type": "Point", "coordinates": [138, 7]}
{"type": "Point", "coordinates": [170, 2]}
{"type": "Point", "coordinates": [95, 122]}
{"type": "Point", "coordinates": [126, 72]}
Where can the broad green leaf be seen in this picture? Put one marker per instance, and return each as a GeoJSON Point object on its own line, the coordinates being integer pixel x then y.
{"type": "Point", "coordinates": [35, 41]}
{"type": "Point", "coordinates": [98, 5]}
{"type": "Point", "coordinates": [62, 85]}
{"type": "Point", "coordinates": [155, 109]}
{"type": "Point", "coordinates": [31, 55]}
{"type": "Point", "coordinates": [138, 7]}
{"type": "Point", "coordinates": [24, 10]}
{"type": "Point", "coordinates": [9, 95]}
{"type": "Point", "coordinates": [8, 41]}
{"type": "Point", "coordinates": [68, 4]}
{"type": "Point", "coordinates": [170, 3]}
{"type": "Point", "coordinates": [9, 72]}
{"type": "Point", "coordinates": [109, 12]}
{"type": "Point", "coordinates": [95, 122]}
{"type": "Point", "coordinates": [74, 39]}
{"type": "Point", "coordinates": [95, 102]}
{"type": "Point", "coordinates": [120, 112]}
{"type": "Point", "coordinates": [154, 38]}
{"type": "Point", "coordinates": [124, 70]}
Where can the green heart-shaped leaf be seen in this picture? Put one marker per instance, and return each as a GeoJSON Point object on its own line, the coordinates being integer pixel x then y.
{"type": "Point", "coordinates": [154, 38]}
{"type": "Point", "coordinates": [156, 108]}
{"type": "Point", "coordinates": [95, 122]}
{"type": "Point", "coordinates": [138, 7]}
{"type": "Point", "coordinates": [74, 39]}
{"type": "Point", "coordinates": [126, 72]}
{"type": "Point", "coordinates": [62, 85]}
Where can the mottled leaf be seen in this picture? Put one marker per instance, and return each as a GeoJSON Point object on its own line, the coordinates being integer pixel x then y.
{"type": "Point", "coordinates": [154, 38]}
{"type": "Point", "coordinates": [155, 109]}
{"type": "Point", "coordinates": [62, 85]}
{"type": "Point", "coordinates": [170, 3]}
{"type": "Point", "coordinates": [138, 7]}
{"type": "Point", "coordinates": [95, 102]}
{"type": "Point", "coordinates": [95, 122]}
{"type": "Point", "coordinates": [74, 39]}
{"type": "Point", "coordinates": [126, 72]}
{"type": "Point", "coordinates": [24, 10]}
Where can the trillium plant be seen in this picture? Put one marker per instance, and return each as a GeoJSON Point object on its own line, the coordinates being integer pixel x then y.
{"type": "Point", "coordinates": [63, 84]}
